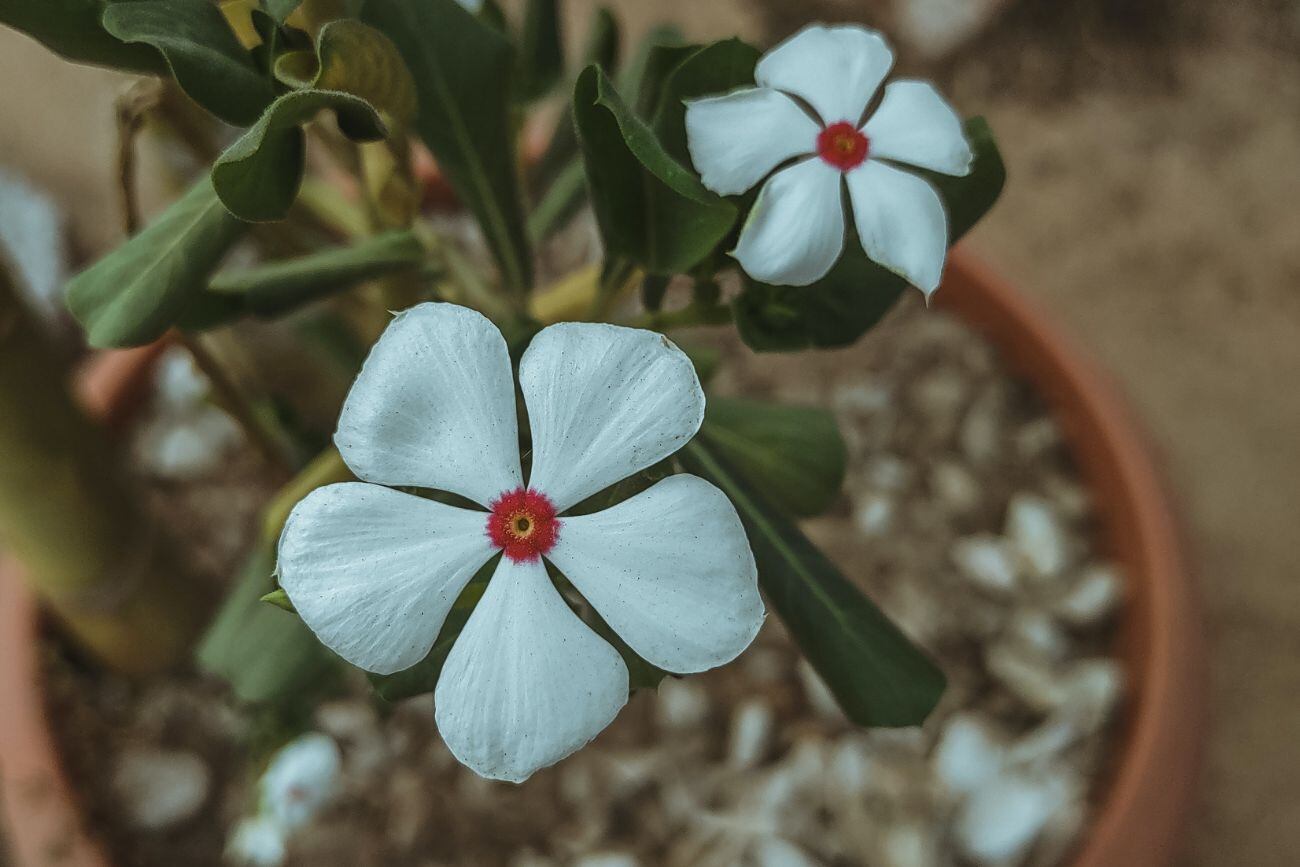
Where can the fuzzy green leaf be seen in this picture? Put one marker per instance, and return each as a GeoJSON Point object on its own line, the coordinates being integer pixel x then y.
{"type": "Point", "coordinates": [258, 176]}
{"type": "Point", "coordinates": [878, 676]}
{"type": "Point", "coordinates": [793, 455]}
{"type": "Point", "coordinates": [278, 287]}
{"type": "Point", "coordinates": [74, 30]}
{"type": "Point", "coordinates": [462, 69]}
{"type": "Point", "coordinates": [136, 292]}
{"type": "Point", "coordinates": [650, 209]}
{"type": "Point", "coordinates": [205, 57]}
{"type": "Point", "coordinates": [857, 293]}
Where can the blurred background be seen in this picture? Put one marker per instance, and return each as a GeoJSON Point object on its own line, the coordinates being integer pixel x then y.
{"type": "Point", "coordinates": [1152, 148]}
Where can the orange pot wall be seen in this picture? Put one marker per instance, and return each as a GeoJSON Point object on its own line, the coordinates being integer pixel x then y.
{"type": "Point", "coordinates": [1152, 785]}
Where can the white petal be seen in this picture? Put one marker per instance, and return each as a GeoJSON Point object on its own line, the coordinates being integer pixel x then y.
{"type": "Point", "coordinates": [915, 125]}
{"type": "Point", "coordinates": [901, 222]}
{"type": "Point", "coordinates": [434, 406]}
{"type": "Point", "coordinates": [374, 571]}
{"type": "Point", "coordinates": [671, 571]}
{"type": "Point", "coordinates": [604, 402]}
{"type": "Point", "coordinates": [527, 683]}
{"type": "Point", "coordinates": [837, 70]}
{"type": "Point", "coordinates": [795, 231]}
{"type": "Point", "coordinates": [736, 139]}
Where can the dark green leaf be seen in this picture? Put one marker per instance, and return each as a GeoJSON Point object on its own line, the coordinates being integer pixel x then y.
{"type": "Point", "coordinates": [661, 49]}
{"type": "Point", "coordinates": [878, 676]}
{"type": "Point", "coordinates": [650, 209]}
{"type": "Point", "coordinates": [541, 49]}
{"type": "Point", "coordinates": [258, 176]}
{"type": "Point", "coordinates": [205, 57]}
{"type": "Point", "coordinates": [793, 455]}
{"type": "Point", "coordinates": [274, 288]}
{"type": "Point", "coordinates": [266, 654]}
{"type": "Point", "coordinates": [462, 69]}
{"type": "Point", "coordinates": [281, 9]}
{"type": "Point", "coordinates": [73, 29]}
{"type": "Point", "coordinates": [857, 293]}
{"type": "Point", "coordinates": [136, 292]}
{"type": "Point", "coordinates": [714, 69]}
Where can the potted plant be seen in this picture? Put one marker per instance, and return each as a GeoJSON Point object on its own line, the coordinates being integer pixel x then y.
{"type": "Point", "coordinates": [713, 171]}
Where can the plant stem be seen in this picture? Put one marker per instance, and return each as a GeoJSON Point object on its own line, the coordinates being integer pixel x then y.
{"type": "Point", "coordinates": [90, 553]}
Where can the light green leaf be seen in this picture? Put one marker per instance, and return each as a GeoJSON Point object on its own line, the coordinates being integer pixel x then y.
{"type": "Point", "coordinates": [205, 57]}
{"type": "Point", "coordinates": [793, 455]}
{"type": "Point", "coordinates": [877, 675]}
{"type": "Point", "coordinates": [73, 29]}
{"type": "Point", "coordinates": [136, 292]}
{"type": "Point", "coordinates": [650, 209]}
{"type": "Point", "coordinates": [280, 600]}
{"type": "Point", "coordinates": [258, 176]}
{"type": "Point", "coordinates": [354, 58]}
{"type": "Point", "coordinates": [462, 69]}
{"type": "Point", "coordinates": [541, 49]}
{"type": "Point", "coordinates": [277, 287]}
{"type": "Point", "coordinates": [857, 293]}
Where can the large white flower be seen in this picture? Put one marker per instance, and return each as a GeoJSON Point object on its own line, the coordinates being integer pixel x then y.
{"type": "Point", "coordinates": [810, 107]}
{"type": "Point", "coordinates": [374, 571]}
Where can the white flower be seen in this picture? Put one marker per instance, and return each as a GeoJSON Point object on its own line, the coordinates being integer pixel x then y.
{"type": "Point", "coordinates": [374, 571]}
{"type": "Point", "coordinates": [259, 841]}
{"type": "Point", "coordinates": [300, 780]}
{"type": "Point", "coordinates": [813, 92]}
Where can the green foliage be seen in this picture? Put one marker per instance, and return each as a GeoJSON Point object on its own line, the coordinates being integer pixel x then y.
{"type": "Point", "coordinates": [278, 287]}
{"type": "Point", "coordinates": [353, 58]}
{"type": "Point", "coordinates": [139, 290]}
{"type": "Point", "coordinates": [793, 455]}
{"type": "Point", "coordinates": [878, 676]}
{"type": "Point", "coordinates": [257, 177]}
{"type": "Point", "coordinates": [651, 210]}
{"type": "Point", "coordinates": [281, 9]}
{"type": "Point", "coordinates": [716, 68]}
{"type": "Point", "coordinates": [658, 52]}
{"type": "Point", "coordinates": [205, 57]}
{"type": "Point", "coordinates": [462, 69]}
{"type": "Point", "coordinates": [541, 49]}
{"type": "Point", "coordinates": [73, 29]}
{"type": "Point", "coordinates": [857, 293]}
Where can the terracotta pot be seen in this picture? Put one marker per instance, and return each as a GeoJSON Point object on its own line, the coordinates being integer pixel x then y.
{"type": "Point", "coordinates": [1143, 804]}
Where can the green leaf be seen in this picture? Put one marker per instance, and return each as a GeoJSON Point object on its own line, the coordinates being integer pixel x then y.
{"type": "Point", "coordinates": [266, 654]}
{"type": "Point", "coordinates": [280, 600]}
{"type": "Point", "coordinates": [462, 69]}
{"type": "Point", "coordinates": [714, 69]}
{"type": "Point", "coordinates": [877, 675]}
{"type": "Point", "coordinates": [793, 455]}
{"type": "Point", "coordinates": [658, 52]}
{"type": "Point", "coordinates": [136, 292]}
{"type": "Point", "coordinates": [258, 176]}
{"type": "Point", "coordinates": [541, 49]}
{"type": "Point", "coordinates": [354, 58]}
{"type": "Point", "coordinates": [281, 9]}
{"type": "Point", "coordinates": [73, 29]}
{"type": "Point", "coordinates": [277, 287]}
{"type": "Point", "coordinates": [857, 293]}
{"type": "Point", "coordinates": [650, 209]}
{"type": "Point", "coordinates": [205, 57]}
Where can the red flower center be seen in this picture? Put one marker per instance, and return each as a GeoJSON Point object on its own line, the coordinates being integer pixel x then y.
{"type": "Point", "coordinates": [843, 146]}
{"type": "Point", "coordinates": [523, 524]}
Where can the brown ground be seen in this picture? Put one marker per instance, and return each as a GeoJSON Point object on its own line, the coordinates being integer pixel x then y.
{"type": "Point", "coordinates": [1152, 208]}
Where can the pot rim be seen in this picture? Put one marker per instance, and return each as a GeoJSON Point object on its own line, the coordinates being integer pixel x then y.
{"type": "Point", "coordinates": [1151, 784]}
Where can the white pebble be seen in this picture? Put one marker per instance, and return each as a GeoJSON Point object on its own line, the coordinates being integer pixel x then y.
{"type": "Point", "coordinates": [1027, 677]}
{"type": "Point", "coordinates": [607, 859]}
{"type": "Point", "coordinates": [850, 768]}
{"type": "Point", "coordinates": [955, 486]}
{"type": "Point", "coordinates": [258, 841]}
{"type": "Point", "coordinates": [751, 731]}
{"type": "Point", "coordinates": [777, 852]}
{"type": "Point", "coordinates": [1093, 597]}
{"type": "Point", "coordinates": [161, 788]}
{"type": "Point", "coordinates": [968, 754]}
{"type": "Point", "coordinates": [819, 694]}
{"type": "Point", "coordinates": [682, 704]}
{"type": "Point", "coordinates": [1001, 820]}
{"type": "Point", "coordinates": [987, 561]}
{"type": "Point", "coordinates": [911, 845]}
{"type": "Point", "coordinates": [1091, 689]}
{"type": "Point", "coordinates": [1037, 631]}
{"type": "Point", "coordinates": [874, 513]}
{"type": "Point", "coordinates": [1036, 531]}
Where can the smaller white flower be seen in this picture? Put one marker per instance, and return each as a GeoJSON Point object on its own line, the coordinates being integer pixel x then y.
{"type": "Point", "coordinates": [810, 109]}
{"type": "Point", "coordinates": [374, 571]}
{"type": "Point", "coordinates": [301, 779]}
{"type": "Point", "coordinates": [258, 841]}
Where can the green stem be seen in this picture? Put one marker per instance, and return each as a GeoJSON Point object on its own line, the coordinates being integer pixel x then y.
{"type": "Point", "coordinates": [66, 513]}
